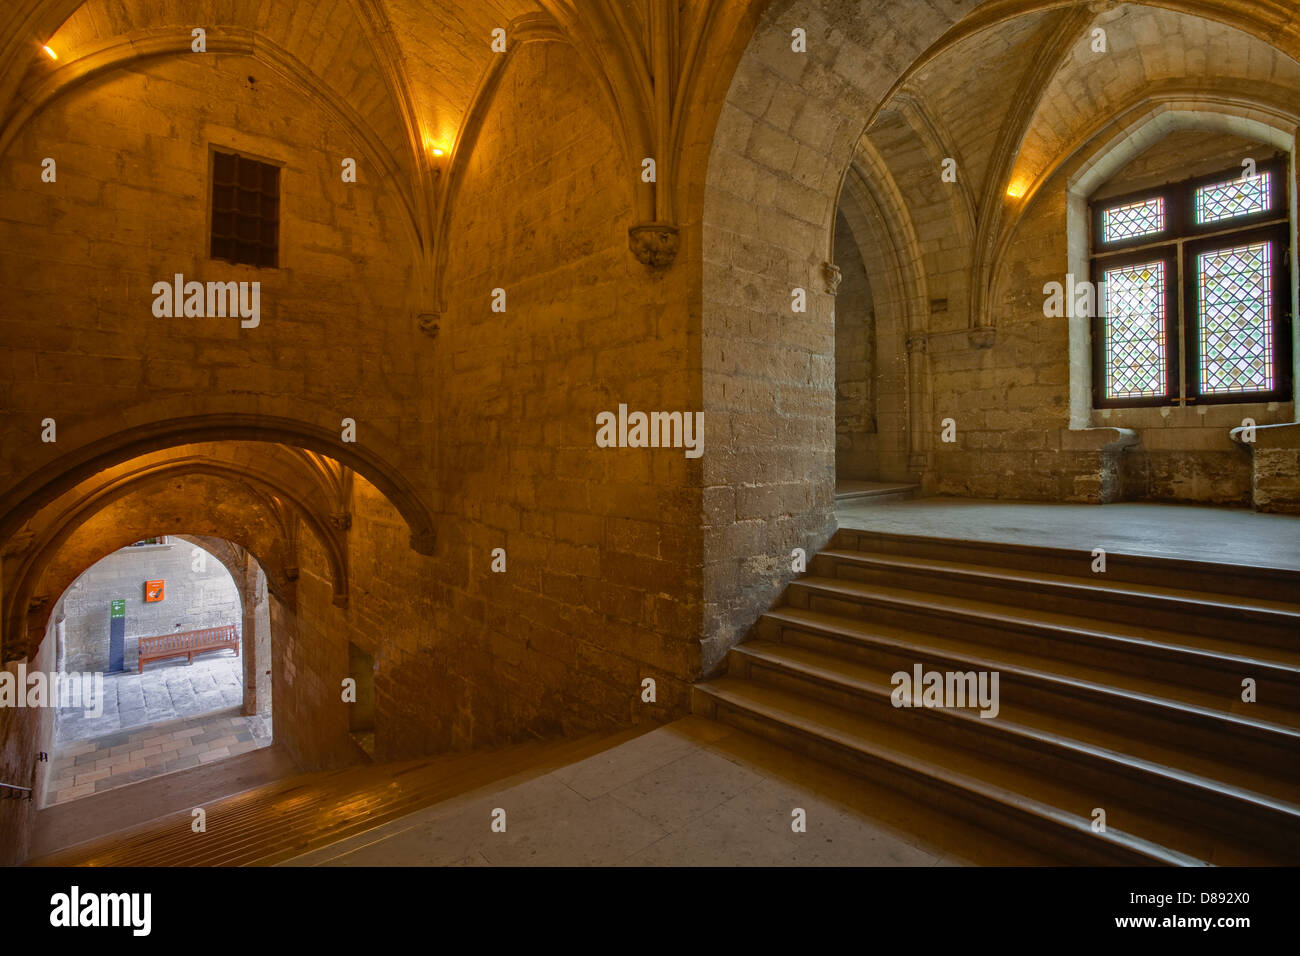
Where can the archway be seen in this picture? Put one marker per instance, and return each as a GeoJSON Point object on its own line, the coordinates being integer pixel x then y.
{"type": "Point", "coordinates": [158, 637]}
{"type": "Point", "coordinates": [924, 93]}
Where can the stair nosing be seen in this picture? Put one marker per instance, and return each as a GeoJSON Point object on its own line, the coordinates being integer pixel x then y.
{"type": "Point", "coordinates": [1218, 568]}
{"type": "Point", "coordinates": [852, 590]}
{"type": "Point", "coordinates": [1022, 803]}
{"type": "Point", "coordinates": [1031, 736]}
{"type": "Point", "coordinates": [793, 616]}
{"type": "Point", "coordinates": [1129, 591]}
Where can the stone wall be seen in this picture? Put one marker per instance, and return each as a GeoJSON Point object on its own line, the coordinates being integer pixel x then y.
{"type": "Point", "coordinates": [601, 579]}
{"type": "Point", "coordinates": [784, 139]}
{"type": "Point", "coordinates": [130, 206]}
{"type": "Point", "coordinates": [1014, 396]}
{"type": "Point", "coordinates": [856, 372]}
{"type": "Point", "coordinates": [602, 582]}
{"type": "Point", "coordinates": [191, 600]}
{"type": "Point", "coordinates": [25, 732]}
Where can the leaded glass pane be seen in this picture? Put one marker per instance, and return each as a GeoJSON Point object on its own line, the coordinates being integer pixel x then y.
{"type": "Point", "coordinates": [1236, 319]}
{"type": "Point", "coordinates": [1236, 197]}
{"type": "Point", "coordinates": [1133, 219]}
{"type": "Point", "coordinates": [1134, 310]}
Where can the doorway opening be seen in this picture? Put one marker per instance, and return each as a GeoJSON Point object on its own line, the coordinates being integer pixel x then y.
{"type": "Point", "coordinates": [163, 644]}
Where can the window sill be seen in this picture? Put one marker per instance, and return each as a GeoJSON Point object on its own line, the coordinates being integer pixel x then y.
{"type": "Point", "coordinates": [1195, 416]}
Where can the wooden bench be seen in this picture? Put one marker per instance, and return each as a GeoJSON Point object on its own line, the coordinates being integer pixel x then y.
{"type": "Point", "coordinates": [187, 644]}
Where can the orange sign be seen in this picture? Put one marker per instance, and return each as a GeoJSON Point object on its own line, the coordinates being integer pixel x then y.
{"type": "Point", "coordinates": [153, 591]}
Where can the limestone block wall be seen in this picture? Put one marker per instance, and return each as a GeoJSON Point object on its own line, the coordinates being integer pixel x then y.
{"type": "Point", "coordinates": [786, 134]}
{"type": "Point", "coordinates": [1277, 480]}
{"type": "Point", "coordinates": [308, 669]}
{"type": "Point", "coordinates": [600, 587]}
{"type": "Point", "coordinates": [856, 369]}
{"type": "Point", "coordinates": [79, 257]}
{"type": "Point", "coordinates": [1275, 473]}
{"type": "Point", "coordinates": [192, 600]}
{"type": "Point", "coordinates": [602, 581]}
{"type": "Point", "coordinates": [24, 733]}
{"type": "Point", "coordinates": [1017, 391]}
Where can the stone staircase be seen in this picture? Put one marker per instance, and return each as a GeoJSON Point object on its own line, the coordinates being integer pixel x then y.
{"type": "Point", "coordinates": [1119, 691]}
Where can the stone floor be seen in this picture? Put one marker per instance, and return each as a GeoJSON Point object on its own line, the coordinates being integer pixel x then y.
{"type": "Point", "coordinates": [1220, 535]}
{"type": "Point", "coordinates": [692, 793]}
{"type": "Point", "coordinates": [116, 759]}
{"type": "Point", "coordinates": [167, 690]}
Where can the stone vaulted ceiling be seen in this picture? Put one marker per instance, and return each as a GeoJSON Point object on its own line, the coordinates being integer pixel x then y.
{"type": "Point", "coordinates": [412, 78]}
{"type": "Point", "coordinates": [1013, 101]}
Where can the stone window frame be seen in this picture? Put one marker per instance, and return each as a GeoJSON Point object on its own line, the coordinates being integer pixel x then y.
{"type": "Point", "coordinates": [1102, 156]}
{"type": "Point", "coordinates": [1176, 244]}
{"type": "Point", "coordinates": [268, 256]}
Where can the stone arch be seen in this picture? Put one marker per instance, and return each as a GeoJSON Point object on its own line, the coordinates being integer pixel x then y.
{"type": "Point", "coordinates": [784, 142]}
{"type": "Point", "coordinates": [883, 230]}
{"type": "Point", "coordinates": [1109, 151]}
{"type": "Point", "coordinates": [833, 91]}
{"type": "Point", "coordinates": [251, 583]}
{"type": "Point", "coordinates": [48, 565]}
{"type": "Point", "coordinates": [63, 473]}
{"type": "Point", "coordinates": [132, 48]}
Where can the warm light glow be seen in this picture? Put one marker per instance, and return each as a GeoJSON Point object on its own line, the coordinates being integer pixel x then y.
{"type": "Point", "coordinates": [53, 55]}
{"type": "Point", "coordinates": [1016, 190]}
{"type": "Point", "coordinates": [435, 145]}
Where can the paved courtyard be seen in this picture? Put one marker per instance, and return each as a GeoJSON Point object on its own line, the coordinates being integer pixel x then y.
{"type": "Point", "coordinates": [172, 717]}
{"type": "Point", "coordinates": [116, 759]}
{"type": "Point", "coordinates": [167, 690]}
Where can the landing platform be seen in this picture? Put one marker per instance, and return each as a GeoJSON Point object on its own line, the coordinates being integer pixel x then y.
{"type": "Point", "coordinates": [692, 793]}
{"type": "Point", "coordinates": [1188, 532]}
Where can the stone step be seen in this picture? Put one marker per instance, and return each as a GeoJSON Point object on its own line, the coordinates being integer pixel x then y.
{"type": "Point", "coordinates": [1215, 664]}
{"type": "Point", "coordinates": [1250, 620]}
{"type": "Point", "coordinates": [284, 819]}
{"type": "Point", "coordinates": [1267, 584]}
{"type": "Point", "coordinates": [1203, 795]}
{"type": "Point", "coordinates": [1121, 692]}
{"type": "Point", "coordinates": [873, 492]}
{"type": "Point", "coordinates": [1010, 800]}
{"type": "Point", "coordinates": [1124, 704]}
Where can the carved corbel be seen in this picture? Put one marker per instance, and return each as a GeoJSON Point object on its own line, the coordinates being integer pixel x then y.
{"type": "Point", "coordinates": [20, 542]}
{"type": "Point", "coordinates": [654, 244]}
{"type": "Point", "coordinates": [831, 272]}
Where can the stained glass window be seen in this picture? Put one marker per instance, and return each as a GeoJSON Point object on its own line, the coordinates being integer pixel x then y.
{"type": "Point", "coordinates": [1236, 197]}
{"type": "Point", "coordinates": [1190, 306]}
{"type": "Point", "coordinates": [1134, 309]}
{"type": "Point", "coordinates": [1236, 319]}
{"type": "Point", "coordinates": [1133, 219]}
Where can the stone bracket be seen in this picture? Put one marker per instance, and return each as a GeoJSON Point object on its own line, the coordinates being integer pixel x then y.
{"type": "Point", "coordinates": [654, 244]}
{"type": "Point", "coordinates": [832, 274]}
